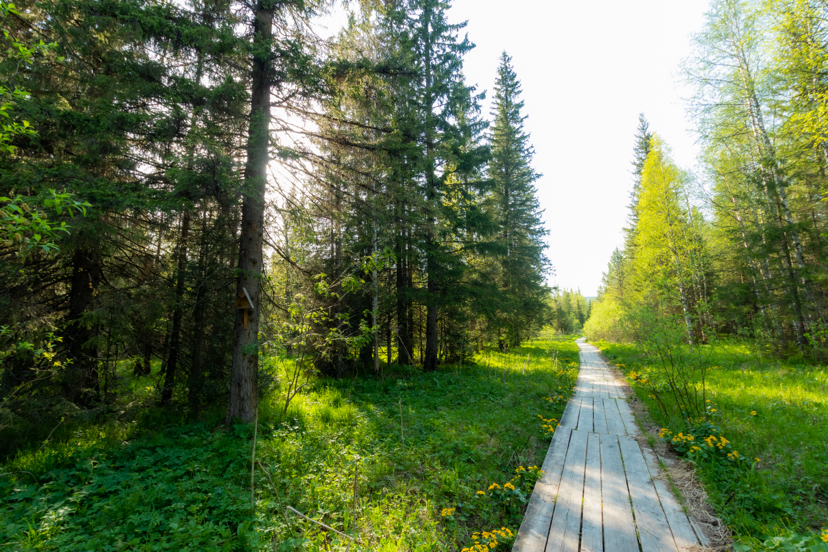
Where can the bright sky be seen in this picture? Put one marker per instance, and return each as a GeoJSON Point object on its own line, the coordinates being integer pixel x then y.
{"type": "Point", "coordinates": [588, 69]}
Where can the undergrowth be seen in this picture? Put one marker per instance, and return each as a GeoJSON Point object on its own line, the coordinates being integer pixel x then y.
{"type": "Point", "coordinates": [759, 444]}
{"type": "Point", "coordinates": [443, 461]}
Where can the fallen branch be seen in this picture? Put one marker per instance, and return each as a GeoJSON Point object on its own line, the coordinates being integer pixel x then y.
{"type": "Point", "coordinates": [300, 514]}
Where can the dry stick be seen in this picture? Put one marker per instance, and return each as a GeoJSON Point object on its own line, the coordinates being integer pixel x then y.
{"type": "Point", "coordinates": [275, 491]}
{"type": "Point", "coordinates": [353, 514]}
{"type": "Point", "coordinates": [356, 467]}
{"type": "Point", "coordinates": [253, 460]}
{"type": "Point", "coordinates": [50, 435]}
{"type": "Point", "coordinates": [402, 429]}
{"type": "Point", "coordinates": [297, 512]}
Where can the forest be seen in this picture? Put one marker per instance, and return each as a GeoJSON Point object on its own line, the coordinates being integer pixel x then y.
{"type": "Point", "coordinates": [715, 305]}
{"type": "Point", "coordinates": [191, 187]}
{"type": "Point", "coordinates": [264, 287]}
{"type": "Point", "coordinates": [229, 242]}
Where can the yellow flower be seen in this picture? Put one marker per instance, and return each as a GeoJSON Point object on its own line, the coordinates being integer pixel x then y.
{"type": "Point", "coordinates": [481, 492]}
{"type": "Point", "coordinates": [824, 535]}
{"type": "Point", "coordinates": [712, 410]}
{"type": "Point", "coordinates": [447, 512]}
{"type": "Point", "coordinates": [509, 486]}
{"type": "Point", "coordinates": [753, 413]}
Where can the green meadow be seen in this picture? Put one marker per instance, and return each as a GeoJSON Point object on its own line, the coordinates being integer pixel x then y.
{"type": "Point", "coordinates": [440, 461]}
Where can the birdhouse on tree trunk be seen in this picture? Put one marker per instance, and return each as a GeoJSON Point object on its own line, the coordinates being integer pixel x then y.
{"type": "Point", "coordinates": [243, 302]}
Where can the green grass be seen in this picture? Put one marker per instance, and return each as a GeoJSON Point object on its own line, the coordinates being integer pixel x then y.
{"type": "Point", "coordinates": [141, 486]}
{"type": "Point", "coordinates": [775, 414]}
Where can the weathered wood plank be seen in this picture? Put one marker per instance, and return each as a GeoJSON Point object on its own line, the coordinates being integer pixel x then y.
{"type": "Point", "coordinates": [570, 416]}
{"type": "Point", "coordinates": [599, 421]}
{"type": "Point", "coordinates": [614, 424]}
{"type": "Point", "coordinates": [627, 417]}
{"type": "Point", "coordinates": [619, 528]}
{"type": "Point", "coordinates": [586, 416]}
{"type": "Point", "coordinates": [566, 521]}
{"type": "Point", "coordinates": [534, 530]}
{"type": "Point", "coordinates": [592, 533]}
{"type": "Point", "coordinates": [680, 525]}
{"type": "Point", "coordinates": [653, 529]}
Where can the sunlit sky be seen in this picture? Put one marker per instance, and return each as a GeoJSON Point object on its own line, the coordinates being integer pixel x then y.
{"type": "Point", "coordinates": [588, 69]}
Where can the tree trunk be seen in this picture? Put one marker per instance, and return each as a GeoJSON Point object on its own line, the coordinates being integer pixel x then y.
{"type": "Point", "coordinates": [196, 379]}
{"type": "Point", "coordinates": [178, 313]}
{"type": "Point", "coordinates": [432, 288]}
{"type": "Point", "coordinates": [244, 371]}
{"type": "Point", "coordinates": [80, 383]}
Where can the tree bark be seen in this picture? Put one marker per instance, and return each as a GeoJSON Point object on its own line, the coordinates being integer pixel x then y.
{"type": "Point", "coordinates": [80, 383]}
{"type": "Point", "coordinates": [178, 313]}
{"type": "Point", "coordinates": [244, 371]}
{"type": "Point", "coordinates": [432, 287]}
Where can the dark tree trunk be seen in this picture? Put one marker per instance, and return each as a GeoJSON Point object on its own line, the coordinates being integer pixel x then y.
{"type": "Point", "coordinates": [80, 384]}
{"type": "Point", "coordinates": [405, 342]}
{"type": "Point", "coordinates": [178, 313]}
{"type": "Point", "coordinates": [245, 368]}
{"type": "Point", "coordinates": [196, 379]}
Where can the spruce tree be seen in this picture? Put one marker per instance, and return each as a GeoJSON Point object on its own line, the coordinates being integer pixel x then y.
{"type": "Point", "coordinates": [521, 244]}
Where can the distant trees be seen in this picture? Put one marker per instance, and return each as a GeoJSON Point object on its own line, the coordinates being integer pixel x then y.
{"type": "Point", "coordinates": [663, 267]}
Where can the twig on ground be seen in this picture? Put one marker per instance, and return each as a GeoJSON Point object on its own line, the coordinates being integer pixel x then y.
{"type": "Point", "coordinates": [276, 492]}
{"type": "Point", "coordinates": [50, 434]}
{"type": "Point", "coordinates": [253, 460]}
{"type": "Point", "coordinates": [402, 429]}
{"type": "Point", "coordinates": [329, 528]}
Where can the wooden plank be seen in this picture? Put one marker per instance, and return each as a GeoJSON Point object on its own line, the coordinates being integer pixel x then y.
{"type": "Point", "coordinates": [570, 416]}
{"type": "Point", "coordinates": [680, 526]}
{"type": "Point", "coordinates": [619, 528]}
{"type": "Point", "coordinates": [534, 529]}
{"type": "Point", "coordinates": [592, 534]}
{"type": "Point", "coordinates": [653, 530]}
{"type": "Point", "coordinates": [627, 417]}
{"type": "Point", "coordinates": [586, 417]}
{"type": "Point", "coordinates": [564, 534]}
{"type": "Point", "coordinates": [599, 421]}
{"type": "Point", "coordinates": [614, 424]}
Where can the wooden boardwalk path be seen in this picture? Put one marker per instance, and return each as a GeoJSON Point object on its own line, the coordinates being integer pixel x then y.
{"type": "Point", "coordinates": [600, 491]}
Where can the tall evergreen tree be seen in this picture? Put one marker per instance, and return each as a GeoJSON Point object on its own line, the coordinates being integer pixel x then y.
{"type": "Point", "coordinates": [522, 259]}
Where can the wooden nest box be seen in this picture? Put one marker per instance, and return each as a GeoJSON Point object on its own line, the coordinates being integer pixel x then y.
{"type": "Point", "coordinates": [244, 303]}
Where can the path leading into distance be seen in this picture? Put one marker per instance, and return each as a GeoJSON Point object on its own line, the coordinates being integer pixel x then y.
{"type": "Point", "coordinates": [600, 491]}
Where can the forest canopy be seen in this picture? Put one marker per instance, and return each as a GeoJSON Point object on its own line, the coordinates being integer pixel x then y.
{"type": "Point", "coordinates": [190, 187]}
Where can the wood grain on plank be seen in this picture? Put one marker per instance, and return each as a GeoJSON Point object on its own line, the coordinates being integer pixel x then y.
{"type": "Point", "coordinates": [619, 528]}
{"type": "Point", "coordinates": [680, 525]}
{"type": "Point", "coordinates": [627, 417]}
{"type": "Point", "coordinates": [534, 529]}
{"type": "Point", "coordinates": [592, 533]}
{"type": "Point", "coordinates": [586, 416]}
{"type": "Point", "coordinates": [570, 416]}
{"type": "Point", "coordinates": [564, 534]}
{"type": "Point", "coordinates": [615, 426]}
{"type": "Point", "coordinates": [599, 417]}
{"type": "Point", "coordinates": [653, 529]}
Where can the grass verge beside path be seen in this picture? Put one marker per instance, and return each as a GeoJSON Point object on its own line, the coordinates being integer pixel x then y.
{"type": "Point", "coordinates": [442, 460]}
{"type": "Point", "coordinates": [774, 415]}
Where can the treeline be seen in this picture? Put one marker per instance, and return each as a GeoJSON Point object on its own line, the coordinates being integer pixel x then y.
{"type": "Point", "coordinates": [741, 248]}
{"type": "Point", "coordinates": [231, 185]}
{"type": "Point", "coordinates": [569, 311]}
